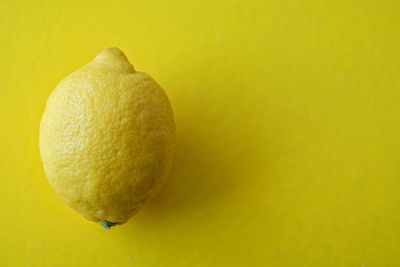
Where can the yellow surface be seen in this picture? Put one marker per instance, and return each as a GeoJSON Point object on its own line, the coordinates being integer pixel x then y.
{"type": "Point", "coordinates": [107, 138]}
{"type": "Point", "coordinates": [288, 132]}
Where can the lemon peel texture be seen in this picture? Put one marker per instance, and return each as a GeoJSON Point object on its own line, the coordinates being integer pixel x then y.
{"type": "Point", "coordinates": [107, 138]}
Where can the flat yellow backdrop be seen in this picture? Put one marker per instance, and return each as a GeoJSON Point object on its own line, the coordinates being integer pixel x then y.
{"type": "Point", "coordinates": [288, 132]}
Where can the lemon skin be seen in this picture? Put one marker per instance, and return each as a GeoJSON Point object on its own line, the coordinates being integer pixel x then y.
{"type": "Point", "coordinates": [107, 138]}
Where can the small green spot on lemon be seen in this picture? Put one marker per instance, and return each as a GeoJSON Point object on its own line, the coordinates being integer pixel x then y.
{"type": "Point", "coordinates": [107, 224]}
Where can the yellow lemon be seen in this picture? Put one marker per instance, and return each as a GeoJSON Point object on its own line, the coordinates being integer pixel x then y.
{"type": "Point", "coordinates": [107, 138]}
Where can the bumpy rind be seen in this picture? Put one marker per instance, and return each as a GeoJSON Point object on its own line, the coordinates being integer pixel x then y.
{"type": "Point", "coordinates": [107, 138]}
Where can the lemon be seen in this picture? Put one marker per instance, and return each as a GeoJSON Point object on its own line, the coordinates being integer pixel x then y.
{"type": "Point", "coordinates": [107, 139]}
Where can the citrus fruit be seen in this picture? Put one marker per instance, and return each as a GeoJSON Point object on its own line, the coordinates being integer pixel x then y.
{"type": "Point", "coordinates": [107, 138]}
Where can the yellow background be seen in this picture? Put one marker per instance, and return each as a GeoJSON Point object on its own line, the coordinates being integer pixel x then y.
{"type": "Point", "coordinates": [288, 132]}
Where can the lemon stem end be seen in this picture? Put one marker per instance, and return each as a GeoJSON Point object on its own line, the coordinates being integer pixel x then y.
{"type": "Point", "coordinates": [107, 225]}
